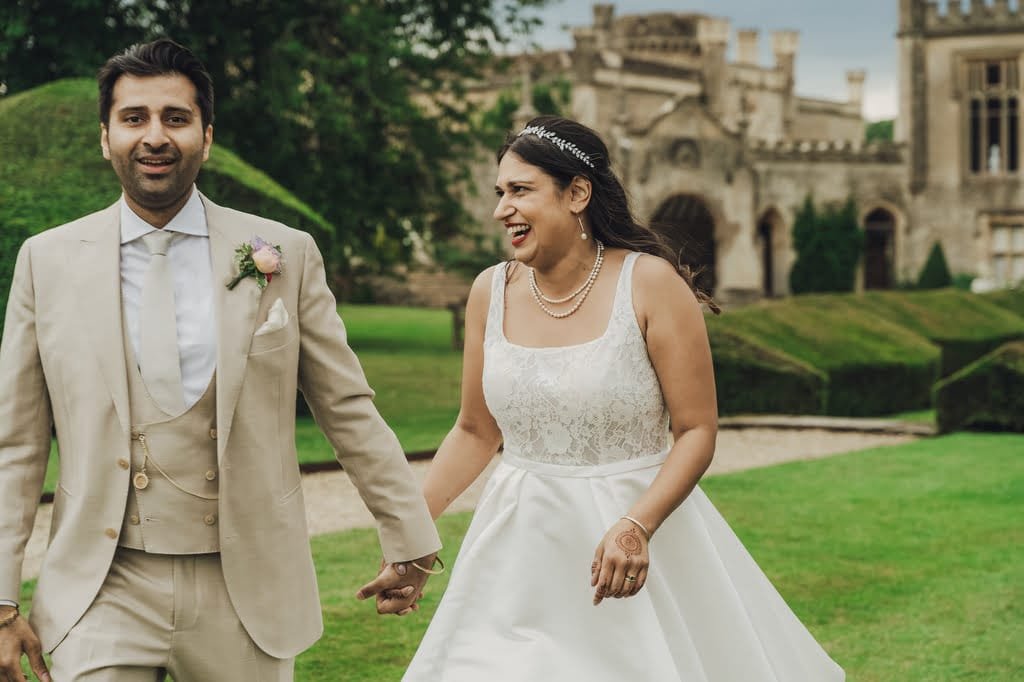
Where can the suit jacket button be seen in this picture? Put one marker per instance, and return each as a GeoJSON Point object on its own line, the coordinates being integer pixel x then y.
{"type": "Point", "coordinates": [123, 463]}
{"type": "Point", "coordinates": [110, 533]}
{"type": "Point", "coordinates": [210, 519]}
{"type": "Point", "coordinates": [213, 434]}
{"type": "Point", "coordinates": [134, 519]}
{"type": "Point", "coordinates": [211, 475]}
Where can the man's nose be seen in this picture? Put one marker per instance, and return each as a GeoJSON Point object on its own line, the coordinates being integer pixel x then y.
{"type": "Point", "coordinates": [155, 135]}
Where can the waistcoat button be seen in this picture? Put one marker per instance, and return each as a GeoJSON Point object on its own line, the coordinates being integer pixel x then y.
{"type": "Point", "coordinates": [123, 463]}
{"type": "Point", "coordinates": [209, 519]}
{"type": "Point", "coordinates": [211, 475]}
{"type": "Point", "coordinates": [110, 533]}
{"type": "Point", "coordinates": [134, 519]}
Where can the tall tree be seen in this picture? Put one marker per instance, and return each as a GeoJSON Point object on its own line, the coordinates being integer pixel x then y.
{"type": "Point", "coordinates": [355, 105]}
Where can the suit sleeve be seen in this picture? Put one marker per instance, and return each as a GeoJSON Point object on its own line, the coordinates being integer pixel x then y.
{"type": "Point", "coordinates": [334, 386]}
{"type": "Point", "coordinates": [25, 424]}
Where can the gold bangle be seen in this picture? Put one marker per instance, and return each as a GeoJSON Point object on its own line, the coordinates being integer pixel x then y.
{"type": "Point", "coordinates": [647, 533]}
{"type": "Point", "coordinates": [430, 571]}
{"type": "Point", "coordinates": [10, 618]}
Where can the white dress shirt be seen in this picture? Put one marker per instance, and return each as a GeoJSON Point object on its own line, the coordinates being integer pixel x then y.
{"type": "Point", "coordinates": [189, 255]}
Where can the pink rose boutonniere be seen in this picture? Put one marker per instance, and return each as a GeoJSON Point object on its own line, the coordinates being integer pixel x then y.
{"type": "Point", "coordinates": [259, 259]}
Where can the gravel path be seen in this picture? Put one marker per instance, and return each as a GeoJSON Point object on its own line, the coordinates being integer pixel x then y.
{"type": "Point", "coordinates": [332, 503]}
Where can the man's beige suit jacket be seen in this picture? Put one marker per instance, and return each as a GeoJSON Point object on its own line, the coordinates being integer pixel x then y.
{"type": "Point", "coordinates": [63, 363]}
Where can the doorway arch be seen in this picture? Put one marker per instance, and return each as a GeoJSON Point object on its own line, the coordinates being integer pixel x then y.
{"type": "Point", "coordinates": [771, 245]}
{"type": "Point", "coordinates": [689, 226]}
{"type": "Point", "coordinates": [879, 249]}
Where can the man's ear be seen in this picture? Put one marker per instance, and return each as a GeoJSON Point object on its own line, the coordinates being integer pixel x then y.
{"type": "Point", "coordinates": [207, 141]}
{"type": "Point", "coordinates": [104, 142]}
{"type": "Point", "coordinates": [579, 194]}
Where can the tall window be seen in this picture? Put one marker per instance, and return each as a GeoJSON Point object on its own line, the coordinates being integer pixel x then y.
{"type": "Point", "coordinates": [994, 116]}
{"type": "Point", "coordinates": [1008, 252]}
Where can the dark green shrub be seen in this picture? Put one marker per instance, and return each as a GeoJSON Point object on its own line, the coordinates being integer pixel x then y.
{"type": "Point", "coordinates": [988, 394]}
{"type": "Point", "coordinates": [935, 273]}
{"type": "Point", "coordinates": [828, 247]}
{"type": "Point", "coordinates": [753, 379]}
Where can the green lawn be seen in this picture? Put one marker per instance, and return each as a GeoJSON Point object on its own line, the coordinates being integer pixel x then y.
{"type": "Point", "coordinates": [910, 570]}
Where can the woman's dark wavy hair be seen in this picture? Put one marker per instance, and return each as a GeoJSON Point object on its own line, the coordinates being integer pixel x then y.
{"type": "Point", "coordinates": [160, 57]}
{"type": "Point", "coordinates": [611, 219]}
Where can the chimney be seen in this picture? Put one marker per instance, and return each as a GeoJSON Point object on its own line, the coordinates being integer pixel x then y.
{"type": "Point", "coordinates": [855, 87]}
{"type": "Point", "coordinates": [746, 46]}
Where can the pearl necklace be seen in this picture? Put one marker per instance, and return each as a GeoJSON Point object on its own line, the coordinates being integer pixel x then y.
{"type": "Point", "coordinates": [582, 292]}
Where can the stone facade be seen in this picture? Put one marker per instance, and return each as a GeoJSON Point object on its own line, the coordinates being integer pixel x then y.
{"type": "Point", "coordinates": [720, 154]}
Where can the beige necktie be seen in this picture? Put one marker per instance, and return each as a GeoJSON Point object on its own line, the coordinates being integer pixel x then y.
{"type": "Point", "coordinates": [158, 331]}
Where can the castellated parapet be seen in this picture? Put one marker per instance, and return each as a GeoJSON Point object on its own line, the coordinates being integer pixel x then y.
{"type": "Point", "coordinates": [838, 151]}
{"type": "Point", "coordinates": [979, 17]}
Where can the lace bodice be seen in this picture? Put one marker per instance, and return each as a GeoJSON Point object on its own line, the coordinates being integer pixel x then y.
{"type": "Point", "coordinates": [591, 403]}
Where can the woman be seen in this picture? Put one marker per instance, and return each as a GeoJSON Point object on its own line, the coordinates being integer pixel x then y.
{"type": "Point", "coordinates": [588, 357]}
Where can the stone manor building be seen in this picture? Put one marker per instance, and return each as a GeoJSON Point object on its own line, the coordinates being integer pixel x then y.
{"type": "Point", "coordinates": [720, 154]}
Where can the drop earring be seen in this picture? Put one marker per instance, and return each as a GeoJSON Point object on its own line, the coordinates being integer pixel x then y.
{"type": "Point", "coordinates": [583, 232]}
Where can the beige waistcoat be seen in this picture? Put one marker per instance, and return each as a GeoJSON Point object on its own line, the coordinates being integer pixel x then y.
{"type": "Point", "coordinates": [172, 499]}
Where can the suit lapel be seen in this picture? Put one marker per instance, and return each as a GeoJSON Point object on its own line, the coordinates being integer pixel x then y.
{"type": "Point", "coordinates": [235, 312]}
{"type": "Point", "coordinates": [99, 286]}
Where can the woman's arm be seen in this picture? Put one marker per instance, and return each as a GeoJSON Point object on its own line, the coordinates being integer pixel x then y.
{"type": "Point", "coordinates": [677, 343]}
{"type": "Point", "coordinates": [472, 442]}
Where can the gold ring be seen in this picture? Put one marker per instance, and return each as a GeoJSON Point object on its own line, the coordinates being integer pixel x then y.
{"type": "Point", "coordinates": [630, 578]}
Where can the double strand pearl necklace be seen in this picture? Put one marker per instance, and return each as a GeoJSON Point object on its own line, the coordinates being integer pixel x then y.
{"type": "Point", "coordinates": [581, 293]}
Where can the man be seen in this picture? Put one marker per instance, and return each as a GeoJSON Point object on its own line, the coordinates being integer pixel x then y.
{"type": "Point", "coordinates": [179, 542]}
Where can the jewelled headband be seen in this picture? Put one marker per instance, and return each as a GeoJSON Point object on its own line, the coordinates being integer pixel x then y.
{"type": "Point", "coordinates": [564, 145]}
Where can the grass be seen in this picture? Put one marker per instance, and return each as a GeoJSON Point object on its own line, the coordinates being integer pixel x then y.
{"type": "Point", "coordinates": [908, 570]}
{"type": "Point", "coordinates": [914, 416]}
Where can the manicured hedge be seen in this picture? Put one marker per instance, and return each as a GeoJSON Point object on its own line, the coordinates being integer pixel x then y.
{"type": "Point", "coordinates": [965, 326]}
{"type": "Point", "coordinates": [751, 378]}
{"type": "Point", "coordinates": [1011, 299]}
{"type": "Point", "coordinates": [988, 394]}
{"type": "Point", "coordinates": [874, 366]}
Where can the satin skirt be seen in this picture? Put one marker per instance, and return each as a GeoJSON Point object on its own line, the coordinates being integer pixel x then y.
{"type": "Point", "coordinates": [519, 606]}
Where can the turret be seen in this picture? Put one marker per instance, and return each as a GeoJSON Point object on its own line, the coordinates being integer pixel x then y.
{"type": "Point", "coordinates": [746, 46]}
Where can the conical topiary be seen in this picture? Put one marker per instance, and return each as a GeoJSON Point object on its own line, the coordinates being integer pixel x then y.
{"type": "Point", "coordinates": [935, 273]}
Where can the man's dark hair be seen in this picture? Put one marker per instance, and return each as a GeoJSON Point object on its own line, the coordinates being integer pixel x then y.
{"type": "Point", "coordinates": [159, 58]}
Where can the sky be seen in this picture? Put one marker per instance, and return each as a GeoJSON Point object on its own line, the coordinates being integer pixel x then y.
{"type": "Point", "coordinates": [835, 36]}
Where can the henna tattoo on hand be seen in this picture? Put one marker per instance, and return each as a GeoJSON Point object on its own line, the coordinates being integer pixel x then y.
{"type": "Point", "coordinates": [629, 542]}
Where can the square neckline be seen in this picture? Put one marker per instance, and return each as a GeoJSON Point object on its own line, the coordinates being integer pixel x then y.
{"type": "Point", "coordinates": [626, 264]}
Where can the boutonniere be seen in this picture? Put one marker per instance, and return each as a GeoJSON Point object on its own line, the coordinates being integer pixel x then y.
{"type": "Point", "coordinates": [259, 259]}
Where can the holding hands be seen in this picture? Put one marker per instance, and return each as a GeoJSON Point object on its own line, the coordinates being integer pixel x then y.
{"type": "Point", "coordinates": [399, 585]}
{"type": "Point", "coordinates": [621, 561]}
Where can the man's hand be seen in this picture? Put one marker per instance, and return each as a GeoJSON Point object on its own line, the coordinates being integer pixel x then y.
{"type": "Point", "coordinates": [398, 586]}
{"type": "Point", "coordinates": [16, 638]}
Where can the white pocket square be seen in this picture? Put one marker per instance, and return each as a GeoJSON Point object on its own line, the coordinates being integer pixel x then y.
{"type": "Point", "coordinates": [277, 318]}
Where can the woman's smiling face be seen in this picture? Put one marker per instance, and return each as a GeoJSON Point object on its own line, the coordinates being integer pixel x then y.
{"type": "Point", "coordinates": [533, 209]}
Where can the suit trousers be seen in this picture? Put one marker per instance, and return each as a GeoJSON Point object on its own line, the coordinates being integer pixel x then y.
{"type": "Point", "coordinates": [160, 614]}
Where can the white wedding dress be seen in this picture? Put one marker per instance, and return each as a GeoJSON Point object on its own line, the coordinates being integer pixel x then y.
{"type": "Point", "coordinates": [585, 430]}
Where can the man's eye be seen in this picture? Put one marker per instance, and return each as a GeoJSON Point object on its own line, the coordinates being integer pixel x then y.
{"type": "Point", "coordinates": [133, 119]}
{"type": "Point", "coordinates": [178, 120]}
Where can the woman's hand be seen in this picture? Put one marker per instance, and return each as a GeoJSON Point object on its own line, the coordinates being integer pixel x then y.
{"type": "Point", "coordinates": [620, 562]}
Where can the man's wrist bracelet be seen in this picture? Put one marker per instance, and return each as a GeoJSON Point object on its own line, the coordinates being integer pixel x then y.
{"type": "Point", "coordinates": [10, 617]}
{"type": "Point", "coordinates": [430, 571]}
{"type": "Point", "coordinates": [642, 527]}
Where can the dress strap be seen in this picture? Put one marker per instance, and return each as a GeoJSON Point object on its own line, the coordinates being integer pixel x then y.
{"type": "Point", "coordinates": [623, 315]}
{"type": "Point", "coordinates": [496, 309]}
